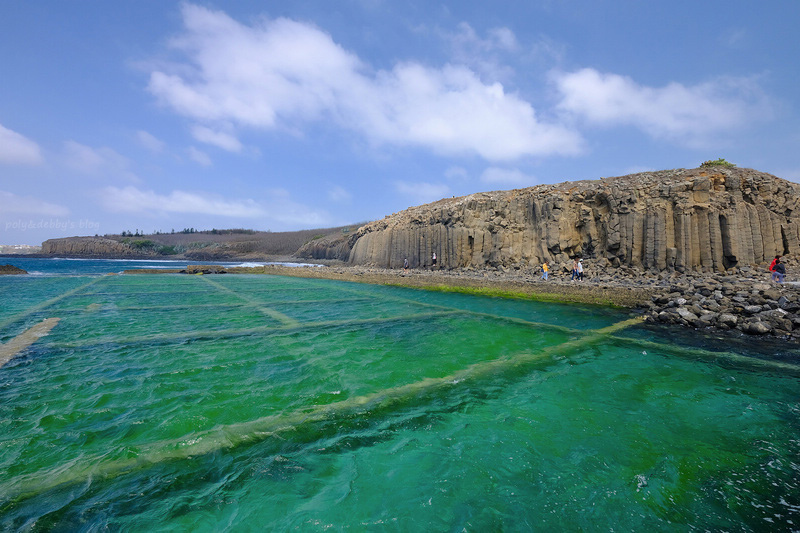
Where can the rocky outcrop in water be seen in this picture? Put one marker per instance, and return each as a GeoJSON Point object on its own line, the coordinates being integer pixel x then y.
{"type": "Point", "coordinates": [703, 220]}
{"type": "Point", "coordinates": [10, 270]}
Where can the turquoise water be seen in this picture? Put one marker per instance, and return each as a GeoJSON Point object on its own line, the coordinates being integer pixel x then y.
{"type": "Point", "coordinates": [217, 403]}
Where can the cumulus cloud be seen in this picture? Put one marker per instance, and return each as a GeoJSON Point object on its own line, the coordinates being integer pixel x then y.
{"type": "Point", "coordinates": [16, 149]}
{"type": "Point", "coordinates": [198, 156]}
{"type": "Point", "coordinates": [133, 200]}
{"type": "Point", "coordinates": [690, 114]}
{"type": "Point", "coordinates": [150, 141]}
{"type": "Point", "coordinates": [286, 74]}
{"type": "Point", "coordinates": [422, 192]}
{"type": "Point", "coordinates": [507, 176]}
{"type": "Point", "coordinates": [221, 139]}
{"type": "Point", "coordinates": [102, 162]}
{"type": "Point", "coordinates": [11, 203]}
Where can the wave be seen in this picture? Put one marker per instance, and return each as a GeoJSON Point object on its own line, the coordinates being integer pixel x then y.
{"type": "Point", "coordinates": [278, 263]}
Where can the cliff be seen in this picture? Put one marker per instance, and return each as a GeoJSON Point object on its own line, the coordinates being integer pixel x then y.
{"type": "Point", "coordinates": [198, 245]}
{"type": "Point", "coordinates": [88, 247]}
{"type": "Point", "coordinates": [705, 219]}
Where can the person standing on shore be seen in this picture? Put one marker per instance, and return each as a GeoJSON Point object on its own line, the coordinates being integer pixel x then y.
{"type": "Point", "coordinates": [545, 270]}
{"type": "Point", "coordinates": [772, 267]}
{"type": "Point", "coordinates": [580, 269]}
{"type": "Point", "coordinates": [574, 269]}
{"type": "Point", "coordinates": [434, 260]}
{"type": "Point", "coordinates": [780, 272]}
{"type": "Point", "coordinates": [405, 265]}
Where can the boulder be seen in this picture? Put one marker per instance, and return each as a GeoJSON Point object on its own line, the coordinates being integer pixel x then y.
{"type": "Point", "coordinates": [10, 270]}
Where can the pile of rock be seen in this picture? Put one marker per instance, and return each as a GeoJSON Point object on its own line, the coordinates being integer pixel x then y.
{"type": "Point", "coordinates": [11, 270]}
{"type": "Point", "coordinates": [728, 302]}
{"type": "Point", "coordinates": [204, 269]}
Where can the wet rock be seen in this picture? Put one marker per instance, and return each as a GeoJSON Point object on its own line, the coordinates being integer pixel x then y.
{"type": "Point", "coordinates": [205, 269]}
{"type": "Point", "coordinates": [727, 319]}
{"type": "Point", "coordinates": [11, 270]}
{"type": "Point", "coordinates": [756, 327]}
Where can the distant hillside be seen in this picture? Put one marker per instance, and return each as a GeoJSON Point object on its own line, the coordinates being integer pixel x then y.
{"type": "Point", "coordinates": [19, 249]}
{"type": "Point", "coordinates": [205, 245]}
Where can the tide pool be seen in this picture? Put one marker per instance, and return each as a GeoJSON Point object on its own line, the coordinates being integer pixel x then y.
{"type": "Point", "coordinates": [238, 402]}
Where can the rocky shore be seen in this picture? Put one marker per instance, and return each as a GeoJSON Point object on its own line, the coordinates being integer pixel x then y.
{"type": "Point", "coordinates": [743, 301]}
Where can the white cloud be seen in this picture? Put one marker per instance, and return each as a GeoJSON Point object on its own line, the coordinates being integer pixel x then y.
{"type": "Point", "coordinates": [507, 176]}
{"type": "Point", "coordinates": [279, 209]}
{"type": "Point", "coordinates": [17, 149]}
{"type": "Point", "coordinates": [483, 54]}
{"type": "Point", "coordinates": [286, 74]}
{"type": "Point", "coordinates": [451, 111]}
{"type": "Point", "coordinates": [678, 112]}
{"type": "Point", "coordinates": [221, 139]}
{"type": "Point", "coordinates": [199, 156]}
{"type": "Point", "coordinates": [736, 38]}
{"type": "Point", "coordinates": [467, 43]}
{"type": "Point", "coordinates": [11, 203]}
{"type": "Point", "coordinates": [339, 195]}
{"type": "Point", "coordinates": [284, 210]}
{"type": "Point", "coordinates": [456, 173]}
{"type": "Point", "coordinates": [150, 141]}
{"type": "Point", "coordinates": [102, 162]}
{"type": "Point", "coordinates": [423, 192]}
{"type": "Point", "coordinates": [133, 200]}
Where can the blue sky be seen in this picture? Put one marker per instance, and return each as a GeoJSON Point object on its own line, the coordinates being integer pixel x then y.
{"type": "Point", "coordinates": [157, 115]}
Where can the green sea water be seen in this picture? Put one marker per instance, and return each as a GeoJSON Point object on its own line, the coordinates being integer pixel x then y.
{"type": "Point", "coordinates": [236, 403]}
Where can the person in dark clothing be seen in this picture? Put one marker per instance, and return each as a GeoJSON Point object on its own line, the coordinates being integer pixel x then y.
{"type": "Point", "coordinates": [779, 272]}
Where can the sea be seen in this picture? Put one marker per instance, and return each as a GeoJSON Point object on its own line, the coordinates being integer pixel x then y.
{"type": "Point", "coordinates": [174, 402]}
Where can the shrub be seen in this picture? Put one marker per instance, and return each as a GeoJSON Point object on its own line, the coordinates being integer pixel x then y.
{"type": "Point", "coordinates": [718, 163]}
{"type": "Point", "coordinates": [142, 244]}
{"type": "Point", "coordinates": [168, 250]}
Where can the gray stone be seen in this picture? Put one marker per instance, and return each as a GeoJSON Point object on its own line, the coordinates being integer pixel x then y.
{"type": "Point", "coordinates": [757, 327]}
{"type": "Point", "coordinates": [686, 314]}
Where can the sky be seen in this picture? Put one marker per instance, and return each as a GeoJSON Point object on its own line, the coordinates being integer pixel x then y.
{"type": "Point", "coordinates": [153, 115]}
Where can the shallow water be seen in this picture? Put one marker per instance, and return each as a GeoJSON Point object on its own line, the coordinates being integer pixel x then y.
{"type": "Point", "coordinates": [241, 402]}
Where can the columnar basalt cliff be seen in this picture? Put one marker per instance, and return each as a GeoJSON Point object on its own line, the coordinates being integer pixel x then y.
{"type": "Point", "coordinates": [88, 247]}
{"type": "Point", "coordinates": [705, 219]}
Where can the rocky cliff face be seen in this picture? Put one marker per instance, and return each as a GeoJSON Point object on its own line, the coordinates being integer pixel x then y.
{"type": "Point", "coordinates": [88, 247]}
{"type": "Point", "coordinates": [687, 220]}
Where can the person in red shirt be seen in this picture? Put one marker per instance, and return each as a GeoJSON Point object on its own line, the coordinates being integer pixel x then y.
{"type": "Point", "coordinates": [772, 267]}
